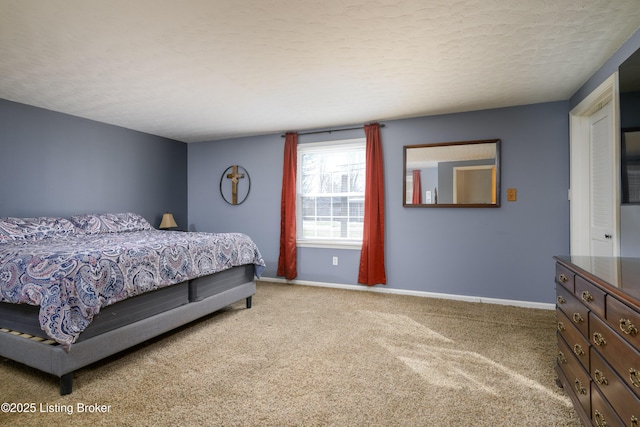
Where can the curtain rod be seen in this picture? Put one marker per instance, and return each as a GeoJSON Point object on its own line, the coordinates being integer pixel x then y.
{"type": "Point", "coordinates": [331, 130]}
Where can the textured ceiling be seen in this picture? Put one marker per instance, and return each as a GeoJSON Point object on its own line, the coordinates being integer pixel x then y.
{"type": "Point", "coordinates": [196, 70]}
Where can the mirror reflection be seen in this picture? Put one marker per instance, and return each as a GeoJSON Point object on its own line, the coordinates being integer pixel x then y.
{"type": "Point", "coordinates": [452, 174]}
{"type": "Point", "coordinates": [630, 156]}
{"type": "Point", "coordinates": [629, 86]}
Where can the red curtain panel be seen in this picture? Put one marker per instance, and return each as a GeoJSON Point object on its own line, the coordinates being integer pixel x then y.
{"type": "Point", "coordinates": [287, 260]}
{"type": "Point", "coordinates": [417, 188]}
{"type": "Point", "coordinates": [372, 270]}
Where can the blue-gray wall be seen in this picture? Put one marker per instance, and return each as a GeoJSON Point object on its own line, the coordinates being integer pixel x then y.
{"type": "Point", "coordinates": [53, 164]}
{"type": "Point", "coordinates": [501, 252]}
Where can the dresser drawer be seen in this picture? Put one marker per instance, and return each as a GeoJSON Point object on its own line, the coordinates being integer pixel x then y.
{"type": "Point", "coordinates": [602, 414]}
{"type": "Point", "coordinates": [565, 277]}
{"type": "Point", "coordinates": [623, 320]}
{"type": "Point", "coordinates": [590, 295]}
{"type": "Point", "coordinates": [565, 355]}
{"type": "Point", "coordinates": [614, 390]}
{"type": "Point", "coordinates": [578, 381]}
{"type": "Point", "coordinates": [577, 313]}
{"type": "Point", "coordinates": [577, 342]}
{"type": "Point", "coordinates": [623, 358]}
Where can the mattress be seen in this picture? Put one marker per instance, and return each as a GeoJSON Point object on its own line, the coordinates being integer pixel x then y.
{"type": "Point", "coordinates": [24, 317]}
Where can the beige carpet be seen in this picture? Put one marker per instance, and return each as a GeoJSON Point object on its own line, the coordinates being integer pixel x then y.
{"type": "Point", "coordinates": [307, 356]}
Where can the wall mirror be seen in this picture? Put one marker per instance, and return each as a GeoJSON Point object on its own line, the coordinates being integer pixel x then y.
{"type": "Point", "coordinates": [629, 87]}
{"type": "Point", "coordinates": [452, 174]}
{"type": "Point", "coordinates": [630, 157]}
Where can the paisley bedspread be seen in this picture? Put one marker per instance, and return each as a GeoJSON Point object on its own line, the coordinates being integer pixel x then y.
{"type": "Point", "coordinates": [72, 277]}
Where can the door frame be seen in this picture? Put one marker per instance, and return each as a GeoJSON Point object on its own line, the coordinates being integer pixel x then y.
{"type": "Point", "coordinates": [579, 194]}
{"type": "Point", "coordinates": [475, 168]}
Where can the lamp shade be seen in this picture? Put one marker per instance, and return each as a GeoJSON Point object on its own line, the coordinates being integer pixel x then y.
{"type": "Point", "coordinates": [168, 221]}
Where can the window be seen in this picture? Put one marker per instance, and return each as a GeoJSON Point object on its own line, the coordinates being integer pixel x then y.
{"type": "Point", "coordinates": [330, 193]}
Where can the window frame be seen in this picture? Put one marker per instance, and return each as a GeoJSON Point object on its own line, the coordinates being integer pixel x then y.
{"type": "Point", "coordinates": [315, 242]}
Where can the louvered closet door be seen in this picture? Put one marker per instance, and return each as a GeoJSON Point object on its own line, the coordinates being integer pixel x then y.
{"type": "Point", "coordinates": [602, 183]}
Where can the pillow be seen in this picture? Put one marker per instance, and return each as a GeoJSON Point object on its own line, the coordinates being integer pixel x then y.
{"type": "Point", "coordinates": [110, 223]}
{"type": "Point", "coordinates": [32, 229]}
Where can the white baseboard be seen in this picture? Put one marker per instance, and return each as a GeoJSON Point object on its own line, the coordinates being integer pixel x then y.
{"type": "Point", "coordinates": [384, 290]}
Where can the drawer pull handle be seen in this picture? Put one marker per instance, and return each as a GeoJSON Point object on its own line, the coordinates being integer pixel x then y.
{"type": "Point", "coordinates": [586, 296]}
{"type": "Point", "coordinates": [563, 278]}
{"type": "Point", "coordinates": [577, 318]}
{"type": "Point", "coordinates": [627, 327]}
{"type": "Point", "coordinates": [561, 358]}
{"type": "Point", "coordinates": [634, 377]}
{"type": "Point", "coordinates": [599, 419]}
{"type": "Point", "coordinates": [598, 339]}
{"type": "Point", "coordinates": [634, 420]}
{"type": "Point", "coordinates": [561, 300]}
{"type": "Point", "coordinates": [600, 378]}
{"type": "Point", "coordinates": [577, 384]}
{"type": "Point", "coordinates": [577, 349]}
{"type": "Point", "coordinates": [561, 327]}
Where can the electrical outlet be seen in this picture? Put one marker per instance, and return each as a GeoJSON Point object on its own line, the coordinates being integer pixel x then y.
{"type": "Point", "coordinates": [512, 194]}
{"type": "Point", "coordinates": [335, 260]}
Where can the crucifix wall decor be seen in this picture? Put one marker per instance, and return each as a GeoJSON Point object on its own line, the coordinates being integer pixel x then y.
{"type": "Point", "coordinates": [235, 184]}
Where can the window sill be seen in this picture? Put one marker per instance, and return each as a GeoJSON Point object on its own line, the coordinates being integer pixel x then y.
{"type": "Point", "coordinates": [332, 244]}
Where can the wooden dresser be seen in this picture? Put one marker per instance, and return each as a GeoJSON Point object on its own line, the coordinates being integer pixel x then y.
{"type": "Point", "coordinates": [598, 361]}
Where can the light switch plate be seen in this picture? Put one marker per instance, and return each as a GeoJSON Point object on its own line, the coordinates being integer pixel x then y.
{"type": "Point", "coordinates": [512, 194]}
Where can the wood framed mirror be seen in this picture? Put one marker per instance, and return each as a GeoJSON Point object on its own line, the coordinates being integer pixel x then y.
{"type": "Point", "coordinates": [463, 174]}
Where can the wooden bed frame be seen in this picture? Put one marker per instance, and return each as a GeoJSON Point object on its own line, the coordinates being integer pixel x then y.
{"type": "Point", "coordinates": [122, 325]}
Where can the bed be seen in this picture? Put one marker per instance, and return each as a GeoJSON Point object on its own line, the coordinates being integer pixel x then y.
{"type": "Point", "coordinates": [74, 291]}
